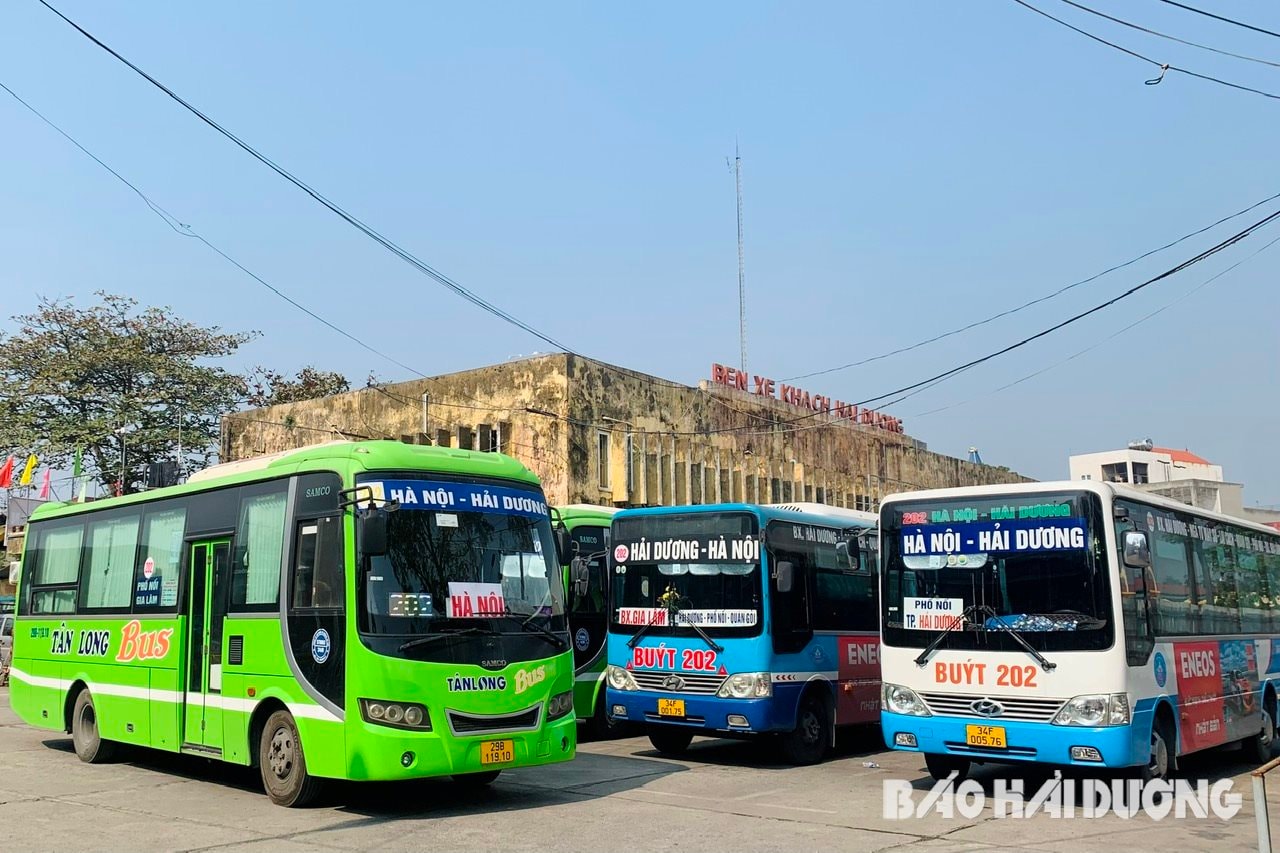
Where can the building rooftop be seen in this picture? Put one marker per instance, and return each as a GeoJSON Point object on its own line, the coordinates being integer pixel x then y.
{"type": "Point", "coordinates": [1182, 456]}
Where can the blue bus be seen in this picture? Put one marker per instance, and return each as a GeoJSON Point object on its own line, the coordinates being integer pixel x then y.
{"type": "Point", "coordinates": [742, 620]}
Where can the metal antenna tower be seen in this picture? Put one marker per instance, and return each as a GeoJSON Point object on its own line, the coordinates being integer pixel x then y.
{"type": "Point", "coordinates": [742, 275]}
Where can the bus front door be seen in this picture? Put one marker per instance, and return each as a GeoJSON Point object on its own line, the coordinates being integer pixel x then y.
{"type": "Point", "coordinates": [202, 714]}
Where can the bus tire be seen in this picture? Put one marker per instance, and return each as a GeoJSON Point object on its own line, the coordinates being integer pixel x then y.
{"type": "Point", "coordinates": [283, 764]}
{"type": "Point", "coordinates": [807, 742]}
{"type": "Point", "coordinates": [476, 781]}
{"type": "Point", "coordinates": [1260, 747]}
{"type": "Point", "coordinates": [670, 740]}
{"type": "Point", "coordinates": [1162, 763]}
{"type": "Point", "coordinates": [600, 726]}
{"type": "Point", "coordinates": [90, 747]}
{"type": "Point", "coordinates": [942, 766]}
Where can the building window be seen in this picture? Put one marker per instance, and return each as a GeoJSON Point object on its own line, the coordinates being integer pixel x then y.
{"type": "Point", "coordinates": [602, 459]}
{"type": "Point", "coordinates": [1116, 473]}
{"type": "Point", "coordinates": [1140, 473]}
{"type": "Point", "coordinates": [631, 465]}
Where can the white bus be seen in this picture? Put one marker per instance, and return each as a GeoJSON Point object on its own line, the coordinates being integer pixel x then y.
{"type": "Point", "coordinates": [1074, 623]}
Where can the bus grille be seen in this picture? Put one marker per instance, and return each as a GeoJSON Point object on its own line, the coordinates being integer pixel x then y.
{"type": "Point", "coordinates": [678, 682]}
{"type": "Point", "coordinates": [475, 724]}
{"type": "Point", "coordinates": [1015, 708]}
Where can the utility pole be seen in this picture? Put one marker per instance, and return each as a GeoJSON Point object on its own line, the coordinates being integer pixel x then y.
{"type": "Point", "coordinates": [742, 275]}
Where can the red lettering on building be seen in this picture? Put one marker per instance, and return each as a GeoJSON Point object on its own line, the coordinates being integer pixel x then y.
{"type": "Point", "coordinates": [762, 386]}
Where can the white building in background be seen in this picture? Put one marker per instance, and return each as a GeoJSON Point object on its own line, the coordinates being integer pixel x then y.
{"type": "Point", "coordinates": [1177, 474]}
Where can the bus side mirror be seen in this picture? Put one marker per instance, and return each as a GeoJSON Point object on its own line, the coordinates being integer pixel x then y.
{"type": "Point", "coordinates": [581, 577]}
{"type": "Point", "coordinates": [373, 533]}
{"type": "Point", "coordinates": [1137, 553]}
{"type": "Point", "coordinates": [785, 573]}
{"type": "Point", "coordinates": [564, 544]}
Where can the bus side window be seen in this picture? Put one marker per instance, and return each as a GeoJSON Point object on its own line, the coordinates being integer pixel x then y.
{"type": "Point", "coordinates": [317, 573]}
{"type": "Point", "coordinates": [1176, 613]}
{"type": "Point", "coordinates": [791, 626]}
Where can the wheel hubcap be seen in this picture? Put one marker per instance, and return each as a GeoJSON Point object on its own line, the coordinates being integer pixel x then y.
{"type": "Point", "coordinates": [1268, 730]}
{"type": "Point", "coordinates": [1159, 757]}
{"type": "Point", "coordinates": [281, 754]}
{"type": "Point", "coordinates": [811, 728]}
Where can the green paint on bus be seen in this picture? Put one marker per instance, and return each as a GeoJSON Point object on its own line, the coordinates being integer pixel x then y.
{"type": "Point", "coordinates": [354, 610]}
{"type": "Point", "coordinates": [588, 528]}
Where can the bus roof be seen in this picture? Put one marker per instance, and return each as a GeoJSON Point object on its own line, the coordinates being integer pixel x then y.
{"type": "Point", "coordinates": [339, 456]}
{"type": "Point", "coordinates": [572, 513]}
{"type": "Point", "coordinates": [798, 512]}
{"type": "Point", "coordinates": [1094, 486]}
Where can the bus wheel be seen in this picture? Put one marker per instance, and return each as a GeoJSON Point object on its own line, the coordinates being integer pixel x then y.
{"type": "Point", "coordinates": [283, 766]}
{"type": "Point", "coordinates": [1161, 763]}
{"type": "Point", "coordinates": [807, 742]}
{"type": "Point", "coordinates": [476, 781]}
{"type": "Point", "coordinates": [600, 726]}
{"type": "Point", "coordinates": [942, 766]}
{"type": "Point", "coordinates": [670, 741]}
{"type": "Point", "coordinates": [90, 747]}
{"type": "Point", "coordinates": [1259, 747]}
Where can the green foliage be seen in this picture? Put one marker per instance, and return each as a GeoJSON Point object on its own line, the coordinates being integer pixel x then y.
{"type": "Point", "coordinates": [113, 380]}
{"type": "Point", "coordinates": [268, 387]}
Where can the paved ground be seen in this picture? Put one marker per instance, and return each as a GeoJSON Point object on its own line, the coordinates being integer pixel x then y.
{"type": "Point", "coordinates": [617, 795]}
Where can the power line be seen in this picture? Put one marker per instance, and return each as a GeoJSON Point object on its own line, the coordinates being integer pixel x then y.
{"type": "Point", "coordinates": [369, 232]}
{"type": "Point", "coordinates": [1038, 299]}
{"type": "Point", "coordinates": [1140, 28]}
{"type": "Point", "coordinates": [1163, 66]}
{"type": "Point", "coordinates": [1105, 340]}
{"type": "Point", "coordinates": [1221, 18]}
{"type": "Point", "coordinates": [185, 230]}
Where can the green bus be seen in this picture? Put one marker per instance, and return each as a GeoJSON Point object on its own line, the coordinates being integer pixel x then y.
{"type": "Point", "coordinates": [583, 532]}
{"type": "Point", "coordinates": [354, 610]}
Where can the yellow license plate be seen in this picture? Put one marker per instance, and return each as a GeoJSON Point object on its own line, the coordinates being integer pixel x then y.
{"type": "Point", "coordinates": [670, 707]}
{"type": "Point", "coordinates": [497, 752]}
{"type": "Point", "coordinates": [988, 736]}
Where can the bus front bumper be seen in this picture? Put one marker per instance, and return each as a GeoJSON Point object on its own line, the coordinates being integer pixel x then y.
{"type": "Point", "coordinates": [1044, 743]}
{"type": "Point", "coordinates": [706, 713]}
{"type": "Point", "coordinates": [382, 753]}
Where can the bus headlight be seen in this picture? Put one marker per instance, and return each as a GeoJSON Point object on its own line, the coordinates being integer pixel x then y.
{"type": "Point", "coordinates": [619, 678]}
{"type": "Point", "coordinates": [746, 685]}
{"type": "Point", "coordinates": [903, 700]}
{"type": "Point", "coordinates": [397, 715]}
{"type": "Point", "coordinates": [1095, 709]}
{"type": "Point", "coordinates": [559, 705]}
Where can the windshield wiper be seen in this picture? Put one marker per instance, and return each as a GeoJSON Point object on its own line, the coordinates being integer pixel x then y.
{"type": "Point", "coordinates": [990, 612]}
{"type": "Point", "coordinates": [542, 630]}
{"type": "Point", "coordinates": [936, 643]}
{"type": "Point", "coordinates": [433, 638]}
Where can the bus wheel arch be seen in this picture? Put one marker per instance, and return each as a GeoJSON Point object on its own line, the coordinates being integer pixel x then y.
{"type": "Point", "coordinates": [258, 722]}
{"type": "Point", "coordinates": [1163, 737]}
{"type": "Point", "coordinates": [68, 706]}
{"type": "Point", "coordinates": [1261, 747]}
{"type": "Point", "coordinates": [86, 736]}
{"type": "Point", "coordinates": [814, 731]}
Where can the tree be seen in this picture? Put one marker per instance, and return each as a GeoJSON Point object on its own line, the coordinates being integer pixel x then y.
{"type": "Point", "coordinates": [127, 387]}
{"type": "Point", "coordinates": [271, 388]}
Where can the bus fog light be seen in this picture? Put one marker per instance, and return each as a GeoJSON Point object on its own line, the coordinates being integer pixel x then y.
{"type": "Point", "coordinates": [904, 739]}
{"type": "Point", "coordinates": [406, 760]}
{"type": "Point", "coordinates": [1085, 753]}
{"type": "Point", "coordinates": [738, 721]}
{"type": "Point", "coordinates": [619, 710]}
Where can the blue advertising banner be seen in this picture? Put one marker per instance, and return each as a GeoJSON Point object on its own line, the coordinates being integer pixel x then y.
{"type": "Point", "coordinates": [994, 537]}
{"type": "Point", "coordinates": [441, 496]}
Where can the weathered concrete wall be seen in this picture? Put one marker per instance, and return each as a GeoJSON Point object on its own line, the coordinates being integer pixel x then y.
{"type": "Point", "coordinates": [660, 442]}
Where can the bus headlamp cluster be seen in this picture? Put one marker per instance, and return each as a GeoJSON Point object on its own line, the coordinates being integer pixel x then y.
{"type": "Point", "coordinates": [903, 700]}
{"type": "Point", "coordinates": [746, 685]}
{"type": "Point", "coordinates": [398, 715]}
{"type": "Point", "coordinates": [619, 678]}
{"type": "Point", "coordinates": [559, 705]}
{"type": "Point", "coordinates": [1095, 709]}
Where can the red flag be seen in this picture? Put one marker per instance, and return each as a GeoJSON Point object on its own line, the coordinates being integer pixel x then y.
{"type": "Point", "coordinates": [6, 474]}
{"type": "Point", "coordinates": [44, 486]}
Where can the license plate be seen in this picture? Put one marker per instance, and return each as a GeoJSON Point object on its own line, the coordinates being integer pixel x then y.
{"type": "Point", "coordinates": [497, 752]}
{"type": "Point", "coordinates": [988, 736]}
{"type": "Point", "coordinates": [670, 707]}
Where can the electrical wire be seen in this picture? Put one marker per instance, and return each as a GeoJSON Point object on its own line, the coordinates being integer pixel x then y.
{"type": "Point", "coordinates": [368, 231]}
{"type": "Point", "coordinates": [1163, 66]}
{"type": "Point", "coordinates": [1143, 29]}
{"type": "Point", "coordinates": [1105, 340]}
{"type": "Point", "coordinates": [1221, 18]}
{"type": "Point", "coordinates": [1037, 300]}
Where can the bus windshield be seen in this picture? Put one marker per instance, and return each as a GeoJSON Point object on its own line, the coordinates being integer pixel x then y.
{"type": "Point", "coordinates": [973, 567]}
{"type": "Point", "coordinates": [674, 571]}
{"type": "Point", "coordinates": [457, 563]}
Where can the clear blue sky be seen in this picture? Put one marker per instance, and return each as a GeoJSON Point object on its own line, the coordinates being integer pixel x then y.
{"type": "Point", "coordinates": [909, 167]}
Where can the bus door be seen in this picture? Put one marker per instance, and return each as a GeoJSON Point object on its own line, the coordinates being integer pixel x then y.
{"type": "Point", "coordinates": [202, 714]}
{"type": "Point", "coordinates": [587, 612]}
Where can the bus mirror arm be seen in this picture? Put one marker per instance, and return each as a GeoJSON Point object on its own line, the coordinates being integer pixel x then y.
{"type": "Point", "coordinates": [579, 574]}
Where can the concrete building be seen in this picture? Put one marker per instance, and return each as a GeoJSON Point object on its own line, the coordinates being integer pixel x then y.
{"type": "Point", "coordinates": [1177, 474]}
{"type": "Point", "coordinates": [601, 434]}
